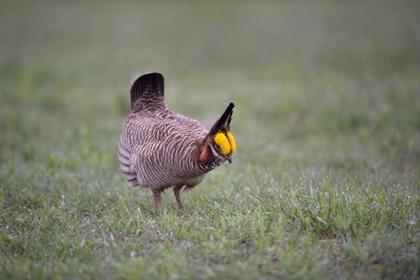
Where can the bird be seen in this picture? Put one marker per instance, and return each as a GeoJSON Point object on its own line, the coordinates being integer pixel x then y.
{"type": "Point", "coordinates": [159, 148]}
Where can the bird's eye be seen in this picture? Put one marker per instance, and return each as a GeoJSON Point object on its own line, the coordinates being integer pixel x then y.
{"type": "Point", "coordinates": [217, 146]}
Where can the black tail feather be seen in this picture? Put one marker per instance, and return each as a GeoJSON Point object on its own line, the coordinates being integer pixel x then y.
{"type": "Point", "coordinates": [224, 122]}
{"type": "Point", "coordinates": [147, 84]}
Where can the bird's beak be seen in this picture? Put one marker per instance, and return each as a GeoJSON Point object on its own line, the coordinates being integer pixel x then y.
{"type": "Point", "coordinates": [229, 158]}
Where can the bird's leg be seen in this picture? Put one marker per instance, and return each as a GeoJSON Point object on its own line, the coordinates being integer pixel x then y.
{"type": "Point", "coordinates": [177, 189]}
{"type": "Point", "coordinates": [158, 200]}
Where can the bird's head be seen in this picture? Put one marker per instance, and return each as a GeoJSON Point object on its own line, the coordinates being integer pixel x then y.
{"type": "Point", "coordinates": [219, 144]}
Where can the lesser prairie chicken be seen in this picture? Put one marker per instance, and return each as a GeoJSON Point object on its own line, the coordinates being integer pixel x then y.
{"type": "Point", "coordinates": [159, 148]}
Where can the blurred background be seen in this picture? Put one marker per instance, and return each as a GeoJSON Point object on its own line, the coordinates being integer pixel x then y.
{"type": "Point", "coordinates": [327, 126]}
{"type": "Point", "coordinates": [328, 84]}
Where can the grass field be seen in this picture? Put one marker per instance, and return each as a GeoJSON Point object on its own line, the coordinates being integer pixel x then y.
{"type": "Point", "coordinates": [325, 183]}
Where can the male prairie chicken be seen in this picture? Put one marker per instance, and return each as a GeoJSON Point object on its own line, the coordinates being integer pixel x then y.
{"type": "Point", "coordinates": [159, 148]}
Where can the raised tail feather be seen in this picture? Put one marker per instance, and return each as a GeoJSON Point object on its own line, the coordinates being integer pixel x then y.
{"type": "Point", "coordinates": [146, 86]}
{"type": "Point", "coordinates": [224, 122]}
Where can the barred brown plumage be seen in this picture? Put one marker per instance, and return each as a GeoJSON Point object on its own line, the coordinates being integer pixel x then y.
{"type": "Point", "coordinates": [159, 148]}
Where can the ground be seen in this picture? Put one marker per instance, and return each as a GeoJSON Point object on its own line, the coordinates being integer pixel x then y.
{"type": "Point", "coordinates": [324, 184]}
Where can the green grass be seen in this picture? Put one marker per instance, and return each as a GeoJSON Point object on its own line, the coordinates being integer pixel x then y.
{"type": "Point", "coordinates": [325, 182]}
